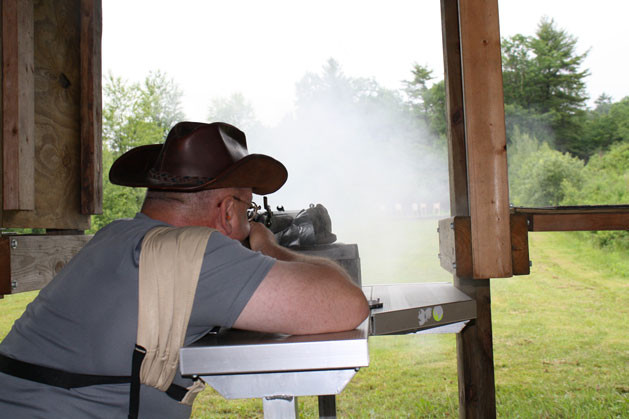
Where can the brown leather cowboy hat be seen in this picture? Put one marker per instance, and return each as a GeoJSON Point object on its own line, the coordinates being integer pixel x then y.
{"type": "Point", "coordinates": [197, 156]}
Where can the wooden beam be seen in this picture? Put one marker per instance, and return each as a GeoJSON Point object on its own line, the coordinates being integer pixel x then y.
{"type": "Point", "coordinates": [91, 107]}
{"type": "Point", "coordinates": [475, 356]}
{"type": "Point", "coordinates": [485, 138]}
{"type": "Point", "coordinates": [35, 260]}
{"type": "Point", "coordinates": [5, 267]}
{"type": "Point", "coordinates": [578, 222]}
{"type": "Point", "coordinates": [455, 245]}
{"type": "Point", "coordinates": [57, 120]}
{"type": "Point", "coordinates": [520, 258]}
{"type": "Point", "coordinates": [457, 156]}
{"type": "Point", "coordinates": [477, 394]}
{"type": "Point", "coordinates": [581, 218]}
{"type": "Point", "coordinates": [18, 106]}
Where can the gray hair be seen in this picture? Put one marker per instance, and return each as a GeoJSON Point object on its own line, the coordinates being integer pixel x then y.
{"type": "Point", "coordinates": [194, 201]}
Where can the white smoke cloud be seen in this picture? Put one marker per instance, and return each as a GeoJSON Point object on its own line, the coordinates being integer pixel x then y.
{"type": "Point", "coordinates": [371, 165]}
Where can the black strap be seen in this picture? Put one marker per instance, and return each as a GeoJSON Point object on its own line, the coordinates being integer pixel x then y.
{"type": "Point", "coordinates": [53, 376]}
{"type": "Point", "coordinates": [134, 395]}
{"type": "Point", "coordinates": [174, 391]}
{"type": "Point", "coordinates": [68, 380]}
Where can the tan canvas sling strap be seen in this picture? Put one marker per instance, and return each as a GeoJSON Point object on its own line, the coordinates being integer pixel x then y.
{"type": "Point", "coordinates": [170, 263]}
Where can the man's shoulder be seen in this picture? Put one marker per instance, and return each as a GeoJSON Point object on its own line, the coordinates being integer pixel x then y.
{"type": "Point", "coordinates": [140, 222]}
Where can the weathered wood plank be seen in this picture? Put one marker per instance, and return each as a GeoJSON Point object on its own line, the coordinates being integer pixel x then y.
{"type": "Point", "coordinates": [18, 143]}
{"type": "Point", "coordinates": [475, 357]}
{"type": "Point", "coordinates": [455, 245]}
{"type": "Point", "coordinates": [477, 397]}
{"type": "Point", "coordinates": [575, 209]}
{"type": "Point", "coordinates": [35, 260]}
{"type": "Point", "coordinates": [5, 266]}
{"type": "Point", "coordinates": [57, 120]}
{"type": "Point", "coordinates": [485, 138]}
{"type": "Point", "coordinates": [457, 157]}
{"type": "Point", "coordinates": [520, 245]}
{"type": "Point", "coordinates": [576, 218]}
{"type": "Point", "coordinates": [579, 222]}
{"type": "Point", "coordinates": [91, 107]}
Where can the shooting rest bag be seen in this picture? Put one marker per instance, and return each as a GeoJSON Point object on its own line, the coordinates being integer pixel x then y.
{"type": "Point", "coordinates": [170, 264]}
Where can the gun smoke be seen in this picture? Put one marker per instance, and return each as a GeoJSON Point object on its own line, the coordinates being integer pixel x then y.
{"type": "Point", "coordinates": [374, 166]}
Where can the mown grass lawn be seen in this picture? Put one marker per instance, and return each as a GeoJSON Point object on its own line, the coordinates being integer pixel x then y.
{"type": "Point", "coordinates": [561, 341]}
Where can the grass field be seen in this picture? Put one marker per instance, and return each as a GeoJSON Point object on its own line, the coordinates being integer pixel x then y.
{"type": "Point", "coordinates": [561, 346]}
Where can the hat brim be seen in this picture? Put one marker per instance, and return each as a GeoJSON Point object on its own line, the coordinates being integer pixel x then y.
{"type": "Point", "coordinates": [262, 173]}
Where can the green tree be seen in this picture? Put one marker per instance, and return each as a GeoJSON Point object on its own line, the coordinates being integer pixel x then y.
{"type": "Point", "coordinates": [427, 102]}
{"type": "Point", "coordinates": [605, 182]}
{"type": "Point", "coordinates": [539, 175]}
{"type": "Point", "coordinates": [542, 75]}
{"type": "Point", "coordinates": [417, 87]}
{"type": "Point", "coordinates": [133, 114]}
{"type": "Point", "coordinates": [234, 109]}
{"type": "Point", "coordinates": [607, 124]}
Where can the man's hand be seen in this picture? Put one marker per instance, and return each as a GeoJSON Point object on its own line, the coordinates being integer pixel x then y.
{"type": "Point", "coordinates": [261, 238]}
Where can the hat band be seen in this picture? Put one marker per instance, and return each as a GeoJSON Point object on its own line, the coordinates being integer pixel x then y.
{"type": "Point", "coordinates": [174, 179]}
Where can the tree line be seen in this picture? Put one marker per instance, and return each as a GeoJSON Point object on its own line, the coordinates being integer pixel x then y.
{"type": "Point", "coordinates": [560, 151]}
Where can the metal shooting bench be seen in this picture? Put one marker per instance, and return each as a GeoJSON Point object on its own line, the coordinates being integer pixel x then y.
{"type": "Point", "coordinates": [279, 368]}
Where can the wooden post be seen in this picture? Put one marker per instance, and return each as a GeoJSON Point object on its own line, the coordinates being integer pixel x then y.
{"type": "Point", "coordinates": [18, 106]}
{"type": "Point", "coordinates": [91, 107]}
{"type": "Point", "coordinates": [488, 185]}
{"type": "Point", "coordinates": [477, 394]}
{"type": "Point", "coordinates": [457, 157]}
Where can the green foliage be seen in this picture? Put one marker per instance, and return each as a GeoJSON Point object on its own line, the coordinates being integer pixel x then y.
{"type": "Point", "coordinates": [435, 103]}
{"type": "Point", "coordinates": [134, 114]}
{"type": "Point", "coordinates": [558, 85]}
{"type": "Point", "coordinates": [606, 125]}
{"type": "Point", "coordinates": [234, 109]}
{"type": "Point", "coordinates": [539, 175]}
{"type": "Point", "coordinates": [605, 182]}
{"type": "Point", "coordinates": [542, 75]}
{"type": "Point", "coordinates": [519, 119]}
{"type": "Point", "coordinates": [139, 113]}
{"type": "Point", "coordinates": [417, 87]}
{"type": "Point", "coordinates": [428, 103]}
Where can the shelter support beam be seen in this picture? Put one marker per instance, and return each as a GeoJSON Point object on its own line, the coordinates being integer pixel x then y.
{"type": "Point", "coordinates": [18, 106]}
{"type": "Point", "coordinates": [474, 137]}
{"type": "Point", "coordinates": [91, 107]}
{"type": "Point", "coordinates": [578, 218]}
{"type": "Point", "coordinates": [455, 246]}
{"type": "Point", "coordinates": [485, 138]}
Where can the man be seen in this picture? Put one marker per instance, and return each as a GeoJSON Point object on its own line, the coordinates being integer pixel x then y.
{"type": "Point", "coordinates": [85, 320]}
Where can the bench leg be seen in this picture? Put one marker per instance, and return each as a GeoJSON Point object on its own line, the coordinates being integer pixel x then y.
{"type": "Point", "coordinates": [327, 407]}
{"type": "Point", "coordinates": [280, 407]}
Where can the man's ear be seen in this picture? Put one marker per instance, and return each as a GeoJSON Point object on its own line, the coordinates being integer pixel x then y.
{"type": "Point", "coordinates": [226, 215]}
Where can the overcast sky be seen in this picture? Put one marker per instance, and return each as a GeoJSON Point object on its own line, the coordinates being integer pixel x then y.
{"type": "Point", "coordinates": [262, 48]}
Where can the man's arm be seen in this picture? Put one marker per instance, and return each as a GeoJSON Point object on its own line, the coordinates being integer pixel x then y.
{"type": "Point", "coordinates": [301, 294]}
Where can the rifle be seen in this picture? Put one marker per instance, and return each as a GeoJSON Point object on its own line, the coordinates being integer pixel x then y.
{"type": "Point", "coordinates": [298, 228]}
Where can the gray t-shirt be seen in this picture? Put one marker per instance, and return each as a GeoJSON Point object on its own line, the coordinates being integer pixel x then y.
{"type": "Point", "coordinates": [85, 321]}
